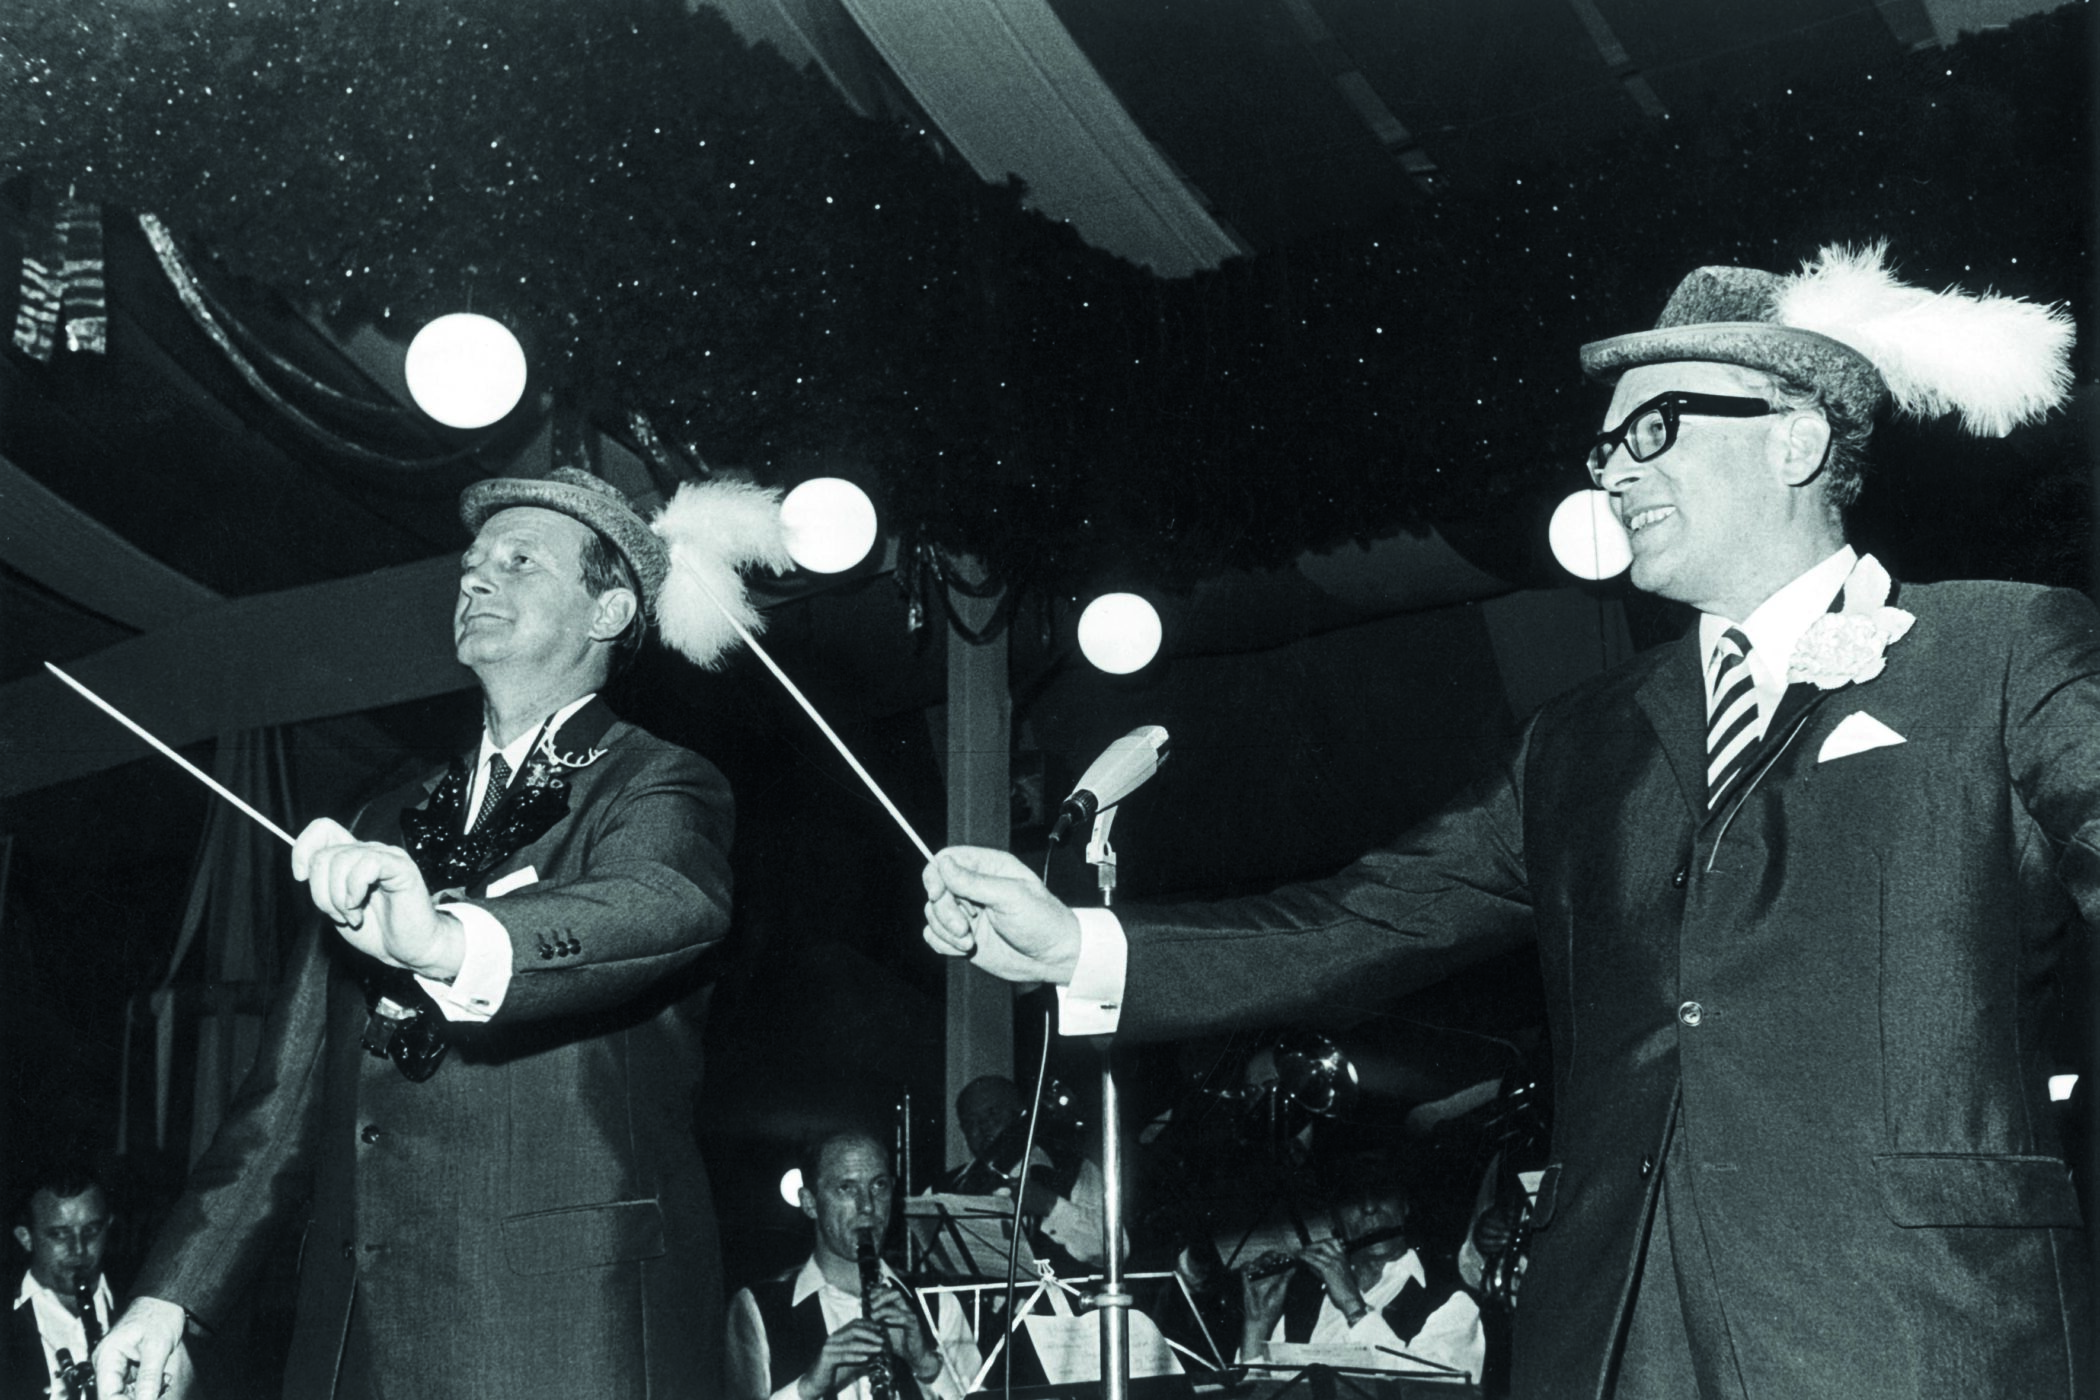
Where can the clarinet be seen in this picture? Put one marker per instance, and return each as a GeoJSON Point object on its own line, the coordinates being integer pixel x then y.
{"type": "Point", "coordinates": [881, 1385]}
{"type": "Point", "coordinates": [78, 1377]}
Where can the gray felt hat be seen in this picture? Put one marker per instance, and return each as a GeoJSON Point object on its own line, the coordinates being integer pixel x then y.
{"type": "Point", "coordinates": [583, 497]}
{"type": "Point", "coordinates": [1731, 314]}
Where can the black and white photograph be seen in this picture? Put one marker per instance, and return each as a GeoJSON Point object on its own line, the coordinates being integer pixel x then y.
{"type": "Point", "coordinates": [1049, 699]}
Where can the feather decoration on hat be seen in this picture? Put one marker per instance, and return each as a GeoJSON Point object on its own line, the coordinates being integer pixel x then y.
{"type": "Point", "coordinates": [715, 529]}
{"type": "Point", "coordinates": [1998, 361]}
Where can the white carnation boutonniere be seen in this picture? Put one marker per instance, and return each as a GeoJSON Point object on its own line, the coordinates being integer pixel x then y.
{"type": "Point", "coordinates": [1848, 646]}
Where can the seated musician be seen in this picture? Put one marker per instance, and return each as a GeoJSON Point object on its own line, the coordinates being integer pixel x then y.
{"type": "Point", "coordinates": [64, 1302]}
{"type": "Point", "coordinates": [1063, 1209]}
{"type": "Point", "coordinates": [815, 1332]}
{"type": "Point", "coordinates": [1382, 1294]}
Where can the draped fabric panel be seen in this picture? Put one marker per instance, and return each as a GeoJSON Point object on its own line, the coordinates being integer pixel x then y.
{"type": "Point", "coordinates": [811, 31]}
{"type": "Point", "coordinates": [277, 658]}
{"type": "Point", "coordinates": [1010, 88]}
{"type": "Point", "coordinates": [86, 562]}
{"type": "Point", "coordinates": [236, 915]}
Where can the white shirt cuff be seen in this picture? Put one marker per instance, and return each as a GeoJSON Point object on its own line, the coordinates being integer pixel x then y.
{"type": "Point", "coordinates": [1092, 1003]}
{"type": "Point", "coordinates": [484, 967]}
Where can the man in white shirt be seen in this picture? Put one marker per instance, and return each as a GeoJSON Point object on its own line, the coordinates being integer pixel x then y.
{"type": "Point", "coordinates": [1800, 884]}
{"type": "Point", "coordinates": [812, 1333]}
{"type": "Point", "coordinates": [1369, 1287]}
{"type": "Point", "coordinates": [1064, 1184]}
{"type": "Point", "coordinates": [64, 1304]}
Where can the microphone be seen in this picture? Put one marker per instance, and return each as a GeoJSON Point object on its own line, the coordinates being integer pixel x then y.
{"type": "Point", "coordinates": [1121, 770]}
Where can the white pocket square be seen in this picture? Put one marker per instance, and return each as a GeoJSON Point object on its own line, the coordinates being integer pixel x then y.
{"type": "Point", "coordinates": [1856, 733]}
{"type": "Point", "coordinates": [519, 879]}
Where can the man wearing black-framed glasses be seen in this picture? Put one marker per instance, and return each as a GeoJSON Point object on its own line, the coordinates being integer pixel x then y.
{"type": "Point", "coordinates": [1800, 883]}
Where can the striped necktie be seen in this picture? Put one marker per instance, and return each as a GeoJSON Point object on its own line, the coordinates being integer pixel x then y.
{"type": "Point", "coordinates": [1731, 726]}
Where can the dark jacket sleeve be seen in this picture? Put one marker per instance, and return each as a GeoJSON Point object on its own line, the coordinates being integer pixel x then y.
{"type": "Point", "coordinates": [636, 893]}
{"type": "Point", "coordinates": [2052, 728]}
{"type": "Point", "coordinates": [1449, 892]}
{"type": "Point", "coordinates": [257, 1169]}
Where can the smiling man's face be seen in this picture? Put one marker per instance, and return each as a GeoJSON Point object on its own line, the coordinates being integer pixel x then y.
{"type": "Point", "coordinates": [1706, 515]}
{"type": "Point", "coordinates": [522, 598]}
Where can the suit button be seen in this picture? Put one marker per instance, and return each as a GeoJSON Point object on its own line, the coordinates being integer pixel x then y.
{"type": "Point", "coordinates": [1677, 880]}
{"type": "Point", "coordinates": [1647, 1166]}
{"type": "Point", "coordinates": [370, 1133]}
{"type": "Point", "coordinates": [1691, 1013]}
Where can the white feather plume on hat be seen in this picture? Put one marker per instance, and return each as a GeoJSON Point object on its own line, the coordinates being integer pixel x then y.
{"type": "Point", "coordinates": [714, 530]}
{"type": "Point", "coordinates": [1998, 361]}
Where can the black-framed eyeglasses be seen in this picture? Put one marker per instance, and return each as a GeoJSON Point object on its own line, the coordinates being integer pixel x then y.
{"type": "Point", "coordinates": [1651, 429]}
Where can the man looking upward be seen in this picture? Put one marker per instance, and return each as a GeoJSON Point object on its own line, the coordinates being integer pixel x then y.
{"type": "Point", "coordinates": [1799, 885]}
{"type": "Point", "coordinates": [485, 1071]}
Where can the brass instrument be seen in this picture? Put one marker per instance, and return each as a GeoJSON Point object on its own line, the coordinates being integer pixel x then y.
{"type": "Point", "coordinates": [881, 1384]}
{"type": "Point", "coordinates": [1505, 1268]}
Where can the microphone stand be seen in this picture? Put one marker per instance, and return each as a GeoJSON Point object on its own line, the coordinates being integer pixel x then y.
{"type": "Point", "coordinates": [1113, 1302]}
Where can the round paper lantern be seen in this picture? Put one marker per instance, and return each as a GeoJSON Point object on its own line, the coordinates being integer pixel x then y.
{"type": "Point", "coordinates": [1119, 632]}
{"type": "Point", "coordinates": [466, 371]}
{"type": "Point", "coordinates": [1587, 538]}
{"type": "Point", "coordinates": [830, 524]}
{"type": "Point", "coordinates": [791, 1186]}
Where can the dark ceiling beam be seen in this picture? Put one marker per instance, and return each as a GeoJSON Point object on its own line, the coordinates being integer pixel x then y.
{"type": "Point", "coordinates": [1349, 80]}
{"type": "Point", "coordinates": [1910, 22]}
{"type": "Point", "coordinates": [1617, 59]}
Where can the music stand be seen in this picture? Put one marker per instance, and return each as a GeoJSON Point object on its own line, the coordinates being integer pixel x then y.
{"type": "Point", "coordinates": [1323, 1381]}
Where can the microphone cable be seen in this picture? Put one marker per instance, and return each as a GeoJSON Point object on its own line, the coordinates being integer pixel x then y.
{"type": "Point", "coordinates": [1013, 1250]}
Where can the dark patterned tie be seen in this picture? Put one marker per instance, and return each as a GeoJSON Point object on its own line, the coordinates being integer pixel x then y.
{"type": "Point", "coordinates": [1731, 725]}
{"type": "Point", "coordinates": [499, 780]}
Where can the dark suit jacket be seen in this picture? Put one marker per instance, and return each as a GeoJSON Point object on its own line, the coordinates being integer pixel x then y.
{"type": "Point", "coordinates": [24, 1374]}
{"type": "Point", "coordinates": [1880, 1203]}
{"type": "Point", "coordinates": [534, 1219]}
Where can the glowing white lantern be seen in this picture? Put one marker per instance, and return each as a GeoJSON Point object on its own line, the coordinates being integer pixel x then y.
{"type": "Point", "coordinates": [830, 524]}
{"type": "Point", "coordinates": [1587, 538]}
{"type": "Point", "coordinates": [1119, 632]}
{"type": "Point", "coordinates": [466, 371]}
{"type": "Point", "coordinates": [791, 1187]}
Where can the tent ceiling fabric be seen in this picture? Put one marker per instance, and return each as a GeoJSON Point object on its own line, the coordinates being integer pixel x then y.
{"type": "Point", "coordinates": [1173, 135]}
{"type": "Point", "coordinates": [1006, 84]}
{"type": "Point", "coordinates": [86, 562]}
{"type": "Point", "coordinates": [332, 648]}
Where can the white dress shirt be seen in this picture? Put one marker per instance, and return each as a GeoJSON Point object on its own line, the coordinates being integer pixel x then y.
{"type": "Point", "coordinates": [1092, 1003]}
{"type": "Point", "coordinates": [750, 1354]}
{"type": "Point", "coordinates": [59, 1325]}
{"type": "Point", "coordinates": [1450, 1336]}
{"type": "Point", "coordinates": [1775, 628]}
{"type": "Point", "coordinates": [477, 991]}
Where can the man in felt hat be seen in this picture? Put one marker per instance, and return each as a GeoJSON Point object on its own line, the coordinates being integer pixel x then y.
{"type": "Point", "coordinates": [1798, 884]}
{"type": "Point", "coordinates": [485, 1073]}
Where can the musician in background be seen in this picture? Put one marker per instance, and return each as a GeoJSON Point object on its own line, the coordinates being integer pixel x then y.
{"type": "Point", "coordinates": [1382, 1293]}
{"type": "Point", "coordinates": [64, 1302]}
{"type": "Point", "coordinates": [817, 1331]}
{"type": "Point", "coordinates": [1063, 1205]}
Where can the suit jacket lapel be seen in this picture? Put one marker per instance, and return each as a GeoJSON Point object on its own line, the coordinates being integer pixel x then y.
{"type": "Point", "coordinates": [1673, 697]}
{"type": "Point", "coordinates": [537, 799]}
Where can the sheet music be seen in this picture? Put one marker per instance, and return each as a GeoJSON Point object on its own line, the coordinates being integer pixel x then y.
{"type": "Point", "coordinates": [965, 1236]}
